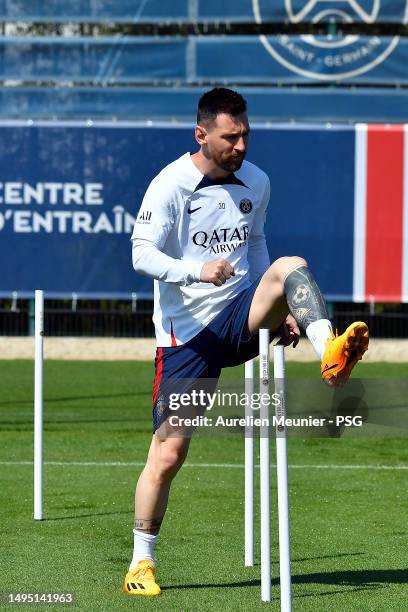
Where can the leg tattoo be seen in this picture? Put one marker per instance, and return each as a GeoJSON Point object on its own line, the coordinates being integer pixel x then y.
{"type": "Point", "coordinates": [151, 526]}
{"type": "Point", "coordinates": [304, 298]}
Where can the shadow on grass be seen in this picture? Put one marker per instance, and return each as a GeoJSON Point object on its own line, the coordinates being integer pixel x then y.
{"type": "Point", "coordinates": [355, 577]}
{"type": "Point", "coordinates": [49, 423]}
{"type": "Point", "coordinates": [362, 579]}
{"type": "Point", "coordinates": [51, 400]}
{"type": "Point", "coordinates": [351, 554]}
{"type": "Point", "coordinates": [372, 587]}
{"type": "Point", "coordinates": [275, 559]}
{"type": "Point", "coordinates": [82, 516]}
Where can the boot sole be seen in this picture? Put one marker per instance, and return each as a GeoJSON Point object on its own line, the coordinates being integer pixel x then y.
{"type": "Point", "coordinates": [356, 344]}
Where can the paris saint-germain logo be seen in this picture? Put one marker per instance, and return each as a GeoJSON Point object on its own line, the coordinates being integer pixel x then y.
{"type": "Point", "coordinates": [245, 206]}
{"type": "Point", "coordinates": [329, 58]}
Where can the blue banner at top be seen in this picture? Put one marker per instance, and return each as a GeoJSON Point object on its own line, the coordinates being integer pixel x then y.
{"type": "Point", "coordinates": [171, 60]}
{"type": "Point", "coordinates": [176, 11]}
{"type": "Point", "coordinates": [340, 11]}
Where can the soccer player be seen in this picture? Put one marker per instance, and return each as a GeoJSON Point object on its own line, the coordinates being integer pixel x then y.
{"type": "Point", "coordinates": [200, 234]}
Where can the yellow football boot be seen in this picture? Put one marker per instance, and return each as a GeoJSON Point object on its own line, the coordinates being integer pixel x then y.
{"type": "Point", "coordinates": [343, 352]}
{"type": "Point", "coordinates": [141, 580]}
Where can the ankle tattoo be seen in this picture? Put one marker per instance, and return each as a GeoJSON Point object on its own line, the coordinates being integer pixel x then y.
{"type": "Point", "coordinates": [304, 298]}
{"type": "Point", "coordinates": [150, 526]}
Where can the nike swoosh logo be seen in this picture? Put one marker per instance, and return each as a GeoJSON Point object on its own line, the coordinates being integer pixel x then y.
{"type": "Point", "coordinates": [327, 368]}
{"type": "Point", "coordinates": [191, 210]}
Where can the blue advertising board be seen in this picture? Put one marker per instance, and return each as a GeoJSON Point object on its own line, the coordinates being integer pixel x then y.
{"type": "Point", "coordinates": [69, 194]}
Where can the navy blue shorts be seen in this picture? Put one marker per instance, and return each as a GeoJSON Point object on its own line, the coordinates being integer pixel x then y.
{"type": "Point", "coordinates": [224, 343]}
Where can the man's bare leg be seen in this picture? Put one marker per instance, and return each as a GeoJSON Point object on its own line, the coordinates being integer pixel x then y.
{"type": "Point", "coordinates": [270, 305]}
{"type": "Point", "coordinates": [165, 458]}
{"type": "Point", "coordinates": [289, 287]}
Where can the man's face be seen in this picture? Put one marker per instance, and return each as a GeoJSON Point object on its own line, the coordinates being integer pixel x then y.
{"type": "Point", "coordinates": [226, 141]}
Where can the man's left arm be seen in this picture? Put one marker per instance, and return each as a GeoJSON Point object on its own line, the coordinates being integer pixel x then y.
{"type": "Point", "coordinates": [259, 262]}
{"type": "Point", "coordinates": [258, 256]}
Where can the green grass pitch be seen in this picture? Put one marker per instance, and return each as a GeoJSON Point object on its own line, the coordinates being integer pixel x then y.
{"type": "Point", "coordinates": [349, 525]}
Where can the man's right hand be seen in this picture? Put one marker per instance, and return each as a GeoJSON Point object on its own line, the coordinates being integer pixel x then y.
{"type": "Point", "coordinates": [216, 272]}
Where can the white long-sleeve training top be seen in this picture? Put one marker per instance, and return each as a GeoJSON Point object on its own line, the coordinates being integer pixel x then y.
{"type": "Point", "coordinates": [186, 220]}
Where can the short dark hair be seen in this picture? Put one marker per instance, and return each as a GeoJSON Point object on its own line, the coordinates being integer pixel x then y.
{"type": "Point", "coordinates": [219, 100]}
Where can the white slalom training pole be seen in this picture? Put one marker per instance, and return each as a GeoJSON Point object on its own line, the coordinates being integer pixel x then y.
{"type": "Point", "coordinates": [264, 467]}
{"type": "Point", "coordinates": [282, 481]}
{"type": "Point", "coordinates": [38, 405]}
{"type": "Point", "coordinates": [249, 466]}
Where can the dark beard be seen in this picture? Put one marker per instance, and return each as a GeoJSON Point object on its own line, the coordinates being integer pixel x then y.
{"type": "Point", "coordinates": [232, 165]}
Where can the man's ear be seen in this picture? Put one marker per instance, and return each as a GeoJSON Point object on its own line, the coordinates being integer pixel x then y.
{"type": "Point", "coordinates": [201, 135]}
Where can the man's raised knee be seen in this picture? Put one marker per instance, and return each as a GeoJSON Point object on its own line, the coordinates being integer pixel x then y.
{"type": "Point", "coordinates": [284, 265]}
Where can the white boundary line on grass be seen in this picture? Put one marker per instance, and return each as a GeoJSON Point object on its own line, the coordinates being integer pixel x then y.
{"type": "Point", "coordinates": [212, 465]}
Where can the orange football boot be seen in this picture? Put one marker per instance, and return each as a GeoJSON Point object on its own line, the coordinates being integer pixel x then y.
{"type": "Point", "coordinates": [343, 352]}
{"type": "Point", "coordinates": [141, 580]}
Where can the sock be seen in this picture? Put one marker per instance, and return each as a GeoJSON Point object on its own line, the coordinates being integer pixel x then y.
{"type": "Point", "coordinates": [318, 332]}
{"type": "Point", "coordinates": [143, 547]}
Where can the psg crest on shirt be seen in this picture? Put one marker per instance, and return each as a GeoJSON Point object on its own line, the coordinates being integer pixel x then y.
{"type": "Point", "coordinates": [245, 205]}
